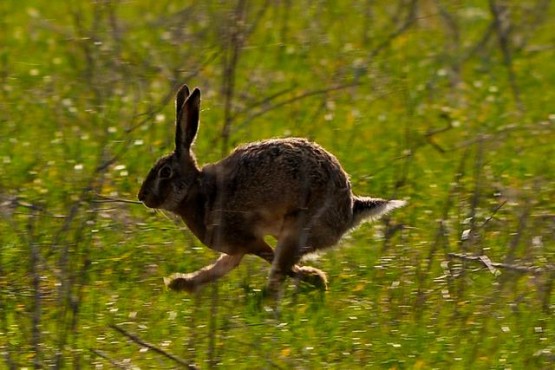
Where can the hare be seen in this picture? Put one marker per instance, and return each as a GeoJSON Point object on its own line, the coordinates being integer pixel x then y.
{"type": "Point", "coordinates": [291, 189]}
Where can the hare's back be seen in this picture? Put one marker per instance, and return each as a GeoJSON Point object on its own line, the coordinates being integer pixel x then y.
{"type": "Point", "coordinates": [283, 170]}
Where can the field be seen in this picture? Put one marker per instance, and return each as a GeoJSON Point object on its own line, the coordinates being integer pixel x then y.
{"type": "Point", "coordinates": [448, 105]}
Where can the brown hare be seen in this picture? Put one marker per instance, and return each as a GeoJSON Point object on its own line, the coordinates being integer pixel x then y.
{"type": "Point", "coordinates": [291, 189]}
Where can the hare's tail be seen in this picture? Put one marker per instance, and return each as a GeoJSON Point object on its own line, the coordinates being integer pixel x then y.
{"type": "Point", "coordinates": [372, 208]}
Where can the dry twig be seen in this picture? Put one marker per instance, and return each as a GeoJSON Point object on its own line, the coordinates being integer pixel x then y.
{"type": "Point", "coordinates": [502, 28]}
{"type": "Point", "coordinates": [409, 20]}
{"type": "Point", "coordinates": [492, 266]}
{"type": "Point", "coordinates": [152, 347]}
{"type": "Point", "coordinates": [104, 199]}
{"type": "Point", "coordinates": [115, 363]}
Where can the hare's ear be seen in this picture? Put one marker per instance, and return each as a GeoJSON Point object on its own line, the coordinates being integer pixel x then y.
{"type": "Point", "coordinates": [187, 122]}
{"type": "Point", "coordinates": [180, 97]}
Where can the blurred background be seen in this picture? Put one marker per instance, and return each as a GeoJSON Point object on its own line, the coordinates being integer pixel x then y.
{"type": "Point", "coordinates": [446, 104]}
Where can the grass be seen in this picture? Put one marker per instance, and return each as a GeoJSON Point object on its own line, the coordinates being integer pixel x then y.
{"type": "Point", "coordinates": [425, 101]}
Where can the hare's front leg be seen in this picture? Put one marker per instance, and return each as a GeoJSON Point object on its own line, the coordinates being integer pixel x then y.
{"type": "Point", "coordinates": [194, 280]}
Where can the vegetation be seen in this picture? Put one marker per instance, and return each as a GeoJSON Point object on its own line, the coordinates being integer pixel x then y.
{"type": "Point", "coordinates": [446, 104]}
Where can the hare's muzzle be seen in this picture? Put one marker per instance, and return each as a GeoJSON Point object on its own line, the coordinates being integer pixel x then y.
{"type": "Point", "coordinates": [148, 199]}
{"type": "Point", "coordinates": [142, 196]}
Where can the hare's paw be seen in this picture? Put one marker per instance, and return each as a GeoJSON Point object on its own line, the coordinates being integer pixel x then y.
{"type": "Point", "coordinates": [181, 282]}
{"type": "Point", "coordinates": [313, 276]}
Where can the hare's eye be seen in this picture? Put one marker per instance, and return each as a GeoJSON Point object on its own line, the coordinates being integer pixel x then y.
{"type": "Point", "coordinates": [165, 172]}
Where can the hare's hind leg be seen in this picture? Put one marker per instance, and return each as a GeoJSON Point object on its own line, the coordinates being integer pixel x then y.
{"type": "Point", "coordinates": [193, 281]}
{"type": "Point", "coordinates": [307, 274]}
{"type": "Point", "coordinates": [311, 275]}
{"type": "Point", "coordinates": [292, 245]}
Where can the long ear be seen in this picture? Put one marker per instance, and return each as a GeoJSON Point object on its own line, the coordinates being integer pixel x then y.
{"type": "Point", "coordinates": [180, 97]}
{"type": "Point", "coordinates": [187, 123]}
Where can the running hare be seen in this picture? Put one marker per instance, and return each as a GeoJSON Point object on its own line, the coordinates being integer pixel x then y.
{"type": "Point", "coordinates": [289, 188]}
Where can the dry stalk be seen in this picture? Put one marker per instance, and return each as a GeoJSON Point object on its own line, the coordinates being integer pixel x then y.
{"type": "Point", "coordinates": [493, 266]}
{"type": "Point", "coordinates": [502, 28]}
{"type": "Point", "coordinates": [115, 363]}
{"type": "Point", "coordinates": [304, 95]}
{"type": "Point", "coordinates": [405, 25]}
{"type": "Point", "coordinates": [232, 51]}
{"type": "Point", "coordinates": [142, 343]}
{"type": "Point", "coordinates": [35, 270]}
{"type": "Point", "coordinates": [441, 237]}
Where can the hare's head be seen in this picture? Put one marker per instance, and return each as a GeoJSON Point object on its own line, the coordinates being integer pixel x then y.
{"type": "Point", "coordinates": [170, 179]}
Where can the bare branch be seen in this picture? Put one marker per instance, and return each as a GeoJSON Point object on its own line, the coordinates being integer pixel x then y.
{"type": "Point", "coordinates": [521, 227]}
{"type": "Point", "coordinates": [35, 270]}
{"type": "Point", "coordinates": [502, 28]}
{"type": "Point", "coordinates": [152, 347]}
{"type": "Point", "coordinates": [264, 101]}
{"type": "Point", "coordinates": [487, 220]}
{"type": "Point", "coordinates": [104, 199]}
{"type": "Point", "coordinates": [407, 23]}
{"type": "Point", "coordinates": [294, 99]}
{"type": "Point", "coordinates": [480, 44]}
{"type": "Point", "coordinates": [471, 240]}
{"type": "Point", "coordinates": [441, 237]}
{"type": "Point", "coordinates": [484, 260]}
{"type": "Point", "coordinates": [429, 137]}
{"type": "Point", "coordinates": [232, 48]}
{"type": "Point", "coordinates": [118, 364]}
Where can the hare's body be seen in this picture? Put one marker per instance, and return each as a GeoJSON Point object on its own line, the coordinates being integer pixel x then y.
{"type": "Point", "coordinates": [264, 188]}
{"type": "Point", "coordinates": [291, 189]}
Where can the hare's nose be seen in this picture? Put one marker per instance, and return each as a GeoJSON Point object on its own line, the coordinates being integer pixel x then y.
{"type": "Point", "coordinates": [141, 195]}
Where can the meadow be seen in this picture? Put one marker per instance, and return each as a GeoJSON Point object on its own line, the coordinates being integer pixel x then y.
{"type": "Point", "coordinates": [448, 105]}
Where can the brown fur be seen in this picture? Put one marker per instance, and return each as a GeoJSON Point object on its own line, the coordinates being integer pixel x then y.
{"type": "Point", "coordinates": [291, 189]}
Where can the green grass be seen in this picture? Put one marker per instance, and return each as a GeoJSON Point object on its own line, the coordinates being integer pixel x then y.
{"type": "Point", "coordinates": [420, 108]}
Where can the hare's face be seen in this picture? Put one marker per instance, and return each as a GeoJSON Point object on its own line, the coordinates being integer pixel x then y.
{"type": "Point", "coordinates": [169, 181]}
{"type": "Point", "coordinates": [166, 184]}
